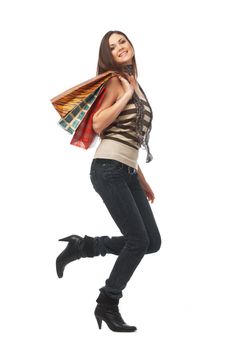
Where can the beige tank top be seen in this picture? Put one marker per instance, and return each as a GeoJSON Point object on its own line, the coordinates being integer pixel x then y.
{"type": "Point", "coordinates": [119, 140]}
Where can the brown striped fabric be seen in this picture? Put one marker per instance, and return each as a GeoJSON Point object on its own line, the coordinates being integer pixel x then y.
{"type": "Point", "coordinates": [123, 128]}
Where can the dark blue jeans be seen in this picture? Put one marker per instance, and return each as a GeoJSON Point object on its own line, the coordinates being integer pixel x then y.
{"type": "Point", "coordinates": [119, 187]}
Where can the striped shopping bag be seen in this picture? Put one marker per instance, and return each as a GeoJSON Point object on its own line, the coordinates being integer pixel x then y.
{"type": "Point", "coordinates": [77, 106]}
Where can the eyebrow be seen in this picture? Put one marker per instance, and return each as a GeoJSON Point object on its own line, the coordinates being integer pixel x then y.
{"type": "Point", "coordinates": [118, 41]}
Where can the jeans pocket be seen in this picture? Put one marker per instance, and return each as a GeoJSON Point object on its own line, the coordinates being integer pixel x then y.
{"type": "Point", "coordinates": [110, 165]}
{"type": "Point", "coordinates": [105, 169]}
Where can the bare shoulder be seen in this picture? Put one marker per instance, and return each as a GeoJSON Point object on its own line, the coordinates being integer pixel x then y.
{"type": "Point", "coordinates": [114, 87]}
{"type": "Point", "coordinates": [113, 81]}
{"type": "Point", "coordinates": [113, 90]}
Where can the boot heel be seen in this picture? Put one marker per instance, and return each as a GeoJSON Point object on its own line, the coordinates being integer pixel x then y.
{"type": "Point", "coordinates": [70, 238]}
{"type": "Point", "coordinates": [99, 321]}
{"type": "Point", "coordinates": [66, 239]}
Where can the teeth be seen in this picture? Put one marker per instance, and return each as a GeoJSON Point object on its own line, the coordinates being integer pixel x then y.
{"type": "Point", "coordinates": [123, 53]}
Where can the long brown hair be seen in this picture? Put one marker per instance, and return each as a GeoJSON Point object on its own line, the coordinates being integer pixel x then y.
{"type": "Point", "coordinates": [106, 61]}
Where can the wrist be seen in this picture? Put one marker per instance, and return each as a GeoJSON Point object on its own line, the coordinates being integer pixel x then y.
{"type": "Point", "coordinates": [128, 94]}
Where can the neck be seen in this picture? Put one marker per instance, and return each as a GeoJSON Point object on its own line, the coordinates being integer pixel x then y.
{"type": "Point", "coordinates": [128, 68]}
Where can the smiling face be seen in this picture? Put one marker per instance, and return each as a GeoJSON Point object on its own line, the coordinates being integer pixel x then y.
{"type": "Point", "coordinates": [121, 49]}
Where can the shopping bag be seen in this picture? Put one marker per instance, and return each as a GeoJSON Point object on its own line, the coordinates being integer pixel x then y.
{"type": "Point", "coordinates": [72, 120]}
{"type": "Point", "coordinates": [76, 107]}
{"type": "Point", "coordinates": [84, 134]}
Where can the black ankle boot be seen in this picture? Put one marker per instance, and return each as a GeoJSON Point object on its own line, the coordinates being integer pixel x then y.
{"type": "Point", "coordinates": [77, 248]}
{"type": "Point", "coordinates": [107, 310]}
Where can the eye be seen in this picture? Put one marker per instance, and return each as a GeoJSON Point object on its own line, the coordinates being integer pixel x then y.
{"type": "Point", "coordinates": [122, 42]}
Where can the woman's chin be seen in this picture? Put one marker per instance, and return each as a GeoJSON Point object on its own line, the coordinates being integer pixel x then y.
{"type": "Point", "coordinates": [127, 61]}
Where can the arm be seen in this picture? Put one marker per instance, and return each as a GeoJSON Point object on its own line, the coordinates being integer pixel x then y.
{"type": "Point", "coordinates": [145, 186]}
{"type": "Point", "coordinates": [111, 106]}
{"type": "Point", "coordinates": [141, 176]}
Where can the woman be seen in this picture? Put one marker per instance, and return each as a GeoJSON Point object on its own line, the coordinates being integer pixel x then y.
{"type": "Point", "coordinates": [123, 123]}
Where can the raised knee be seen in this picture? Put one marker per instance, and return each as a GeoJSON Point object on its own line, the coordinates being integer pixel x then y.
{"type": "Point", "coordinates": [154, 245]}
{"type": "Point", "coordinates": [144, 244]}
{"type": "Point", "coordinates": [141, 245]}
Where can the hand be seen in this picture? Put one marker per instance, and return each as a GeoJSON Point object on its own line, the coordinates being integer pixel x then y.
{"type": "Point", "coordinates": [128, 86]}
{"type": "Point", "coordinates": [148, 191]}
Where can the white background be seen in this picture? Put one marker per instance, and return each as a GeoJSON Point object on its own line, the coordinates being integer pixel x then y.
{"type": "Point", "coordinates": [179, 298]}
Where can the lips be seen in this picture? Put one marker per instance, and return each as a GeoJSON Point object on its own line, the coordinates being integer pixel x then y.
{"type": "Point", "coordinates": [122, 53]}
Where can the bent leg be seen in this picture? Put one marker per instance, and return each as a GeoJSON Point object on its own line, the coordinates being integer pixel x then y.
{"type": "Point", "coordinates": [114, 245]}
{"type": "Point", "coordinates": [115, 193]}
{"type": "Point", "coordinates": [146, 214]}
